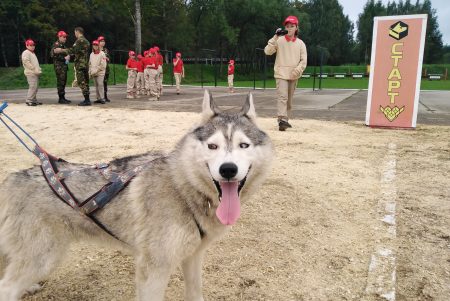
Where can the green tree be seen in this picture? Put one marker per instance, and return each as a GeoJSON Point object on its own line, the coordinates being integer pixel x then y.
{"type": "Point", "coordinates": [365, 28]}
{"type": "Point", "coordinates": [331, 30]}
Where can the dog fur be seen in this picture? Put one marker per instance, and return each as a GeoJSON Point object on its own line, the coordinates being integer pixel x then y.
{"type": "Point", "coordinates": [158, 217]}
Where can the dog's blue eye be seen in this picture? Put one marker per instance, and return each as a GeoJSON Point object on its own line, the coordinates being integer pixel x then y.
{"type": "Point", "coordinates": [244, 145]}
{"type": "Point", "coordinates": [212, 146]}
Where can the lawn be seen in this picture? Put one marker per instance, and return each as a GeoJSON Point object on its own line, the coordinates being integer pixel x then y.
{"type": "Point", "coordinates": [13, 78]}
{"type": "Point", "coordinates": [331, 83]}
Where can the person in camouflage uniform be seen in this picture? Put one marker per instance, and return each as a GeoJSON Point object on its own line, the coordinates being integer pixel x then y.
{"type": "Point", "coordinates": [80, 51]}
{"type": "Point", "coordinates": [60, 64]}
{"type": "Point", "coordinates": [102, 42]}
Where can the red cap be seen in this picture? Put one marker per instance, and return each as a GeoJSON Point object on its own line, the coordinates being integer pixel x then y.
{"type": "Point", "coordinates": [95, 42]}
{"type": "Point", "coordinates": [156, 48]}
{"type": "Point", "coordinates": [145, 52]}
{"type": "Point", "coordinates": [101, 38]}
{"type": "Point", "coordinates": [231, 62]}
{"type": "Point", "coordinates": [131, 53]}
{"type": "Point", "coordinates": [178, 54]}
{"type": "Point", "coordinates": [291, 19]}
{"type": "Point", "coordinates": [29, 42]}
{"type": "Point", "coordinates": [139, 56]}
{"type": "Point", "coordinates": [152, 50]}
{"type": "Point", "coordinates": [62, 34]}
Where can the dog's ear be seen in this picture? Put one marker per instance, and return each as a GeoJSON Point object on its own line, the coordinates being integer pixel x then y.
{"type": "Point", "coordinates": [249, 108]}
{"type": "Point", "coordinates": [209, 107]}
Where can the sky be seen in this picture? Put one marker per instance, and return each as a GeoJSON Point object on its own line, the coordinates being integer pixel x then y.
{"type": "Point", "coordinates": [353, 8]}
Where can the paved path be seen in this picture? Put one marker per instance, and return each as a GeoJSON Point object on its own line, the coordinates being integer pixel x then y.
{"type": "Point", "coordinates": [342, 105]}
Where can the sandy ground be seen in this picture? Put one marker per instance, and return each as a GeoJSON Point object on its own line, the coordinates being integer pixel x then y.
{"type": "Point", "coordinates": [309, 233]}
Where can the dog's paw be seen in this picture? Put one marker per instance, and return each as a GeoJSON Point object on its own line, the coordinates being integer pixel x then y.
{"type": "Point", "coordinates": [34, 289]}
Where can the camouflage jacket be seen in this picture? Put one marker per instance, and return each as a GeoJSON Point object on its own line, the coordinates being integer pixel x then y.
{"type": "Point", "coordinates": [80, 51]}
{"type": "Point", "coordinates": [58, 58]}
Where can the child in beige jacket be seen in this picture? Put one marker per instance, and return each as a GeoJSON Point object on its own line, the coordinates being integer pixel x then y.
{"type": "Point", "coordinates": [32, 71]}
{"type": "Point", "coordinates": [97, 70]}
{"type": "Point", "coordinates": [289, 66]}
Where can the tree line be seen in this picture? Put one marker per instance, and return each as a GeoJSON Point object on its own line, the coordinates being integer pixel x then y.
{"type": "Point", "coordinates": [206, 28]}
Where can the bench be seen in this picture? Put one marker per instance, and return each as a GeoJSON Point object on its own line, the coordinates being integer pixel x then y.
{"type": "Point", "coordinates": [339, 75]}
{"type": "Point", "coordinates": [434, 76]}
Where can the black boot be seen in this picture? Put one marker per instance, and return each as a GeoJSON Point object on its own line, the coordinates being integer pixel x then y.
{"type": "Point", "coordinates": [63, 100]}
{"type": "Point", "coordinates": [86, 102]}
{"type": "Point", "coordinates": [106, 97]}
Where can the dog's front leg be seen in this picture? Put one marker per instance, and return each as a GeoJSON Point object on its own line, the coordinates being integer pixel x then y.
{"type": "Point", "coordinates": [192, 271]}
{"type": "Point", "coordinates": [151, 281]}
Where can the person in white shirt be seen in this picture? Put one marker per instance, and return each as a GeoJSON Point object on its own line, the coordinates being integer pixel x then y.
{"type": "Point", "coordinates": [32, 71]}
{"type": "Point", "coordinates": [97, 70]}
{"type": "Point", "coordinates": [289, 66]}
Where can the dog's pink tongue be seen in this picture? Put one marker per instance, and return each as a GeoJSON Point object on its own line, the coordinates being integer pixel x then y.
{"type": "Point", "coordinates": [229, 208]}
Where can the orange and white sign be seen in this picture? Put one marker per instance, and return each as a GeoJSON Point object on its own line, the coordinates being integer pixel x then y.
{"type": "Point", "coordinates": [395, 71]}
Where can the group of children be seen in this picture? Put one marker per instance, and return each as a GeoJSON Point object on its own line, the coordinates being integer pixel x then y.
{"type": "Point", "coordinates": [145, 74]}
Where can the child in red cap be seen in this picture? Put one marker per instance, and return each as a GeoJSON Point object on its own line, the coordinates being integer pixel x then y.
{"type": "Point", "coordinates": [178, 70]}
{"type": "Point", "coordinates": [151, 72]}
{"type": "Point", "coordinates": [132, 74]}
{"type": "Point", "coordinates": [160, 61]}
{"type": "Point", "coordinates": [290, 62]}
{"type": "Point", "coordinates": [97, 70]}
{"type": "Point", "coordinates": [140, 83]}
{"type": "Point", "coordinates": [32, 71]}
{"type": "Point", "coordinates": [231, 76]}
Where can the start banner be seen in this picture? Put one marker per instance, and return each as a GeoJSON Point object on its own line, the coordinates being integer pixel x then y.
{"type": "Point", "coordinates": [395, 71]}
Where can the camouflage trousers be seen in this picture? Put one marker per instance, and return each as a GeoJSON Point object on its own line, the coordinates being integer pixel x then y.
{"type": "Point", "coordinates": [61, 77]}
{"type": "Point", "coordinates": [105, 81]}
{"type": "Point", "coordinates": [83, 80]}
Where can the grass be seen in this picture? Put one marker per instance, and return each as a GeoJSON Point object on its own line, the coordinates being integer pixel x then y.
{"type": "Point", "coordinates": [13, 78]}
{"type": "Point", "coordinates": [331, 83]}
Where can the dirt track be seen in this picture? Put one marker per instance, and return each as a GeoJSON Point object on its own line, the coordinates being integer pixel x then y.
{"type": "Point", "coordinates": [309, 234]}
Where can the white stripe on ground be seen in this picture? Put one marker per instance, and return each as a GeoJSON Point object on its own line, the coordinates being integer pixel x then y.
{"type": "Point", "coordinates": [382, 268]}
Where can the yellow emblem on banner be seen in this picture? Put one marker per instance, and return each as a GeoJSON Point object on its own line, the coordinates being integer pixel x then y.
{"type": "Point", "coordinates": [398, 30]}
{"type": "Point", "coordinates": [391, 113]}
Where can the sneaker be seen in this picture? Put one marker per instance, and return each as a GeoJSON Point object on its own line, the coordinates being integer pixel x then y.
{"type": "Point", "coordinates": [100, 101]}
{"type": "Point", "coordinates": [283, 125]}
{"type": "Point", "coordinates": [31, 103]}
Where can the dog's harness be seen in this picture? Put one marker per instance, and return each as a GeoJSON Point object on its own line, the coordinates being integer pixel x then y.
{"type": "Point", "coordinates": [55, 179]}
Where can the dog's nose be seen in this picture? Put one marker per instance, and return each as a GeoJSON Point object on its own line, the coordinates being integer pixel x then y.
{"type": "Point", "coordinates": [228, 170]}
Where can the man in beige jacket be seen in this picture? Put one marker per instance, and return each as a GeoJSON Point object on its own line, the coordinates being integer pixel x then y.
{"type": "Point", "coordinates": [32, 72]}
{"type": "Point", "coordinates": [289, 66]}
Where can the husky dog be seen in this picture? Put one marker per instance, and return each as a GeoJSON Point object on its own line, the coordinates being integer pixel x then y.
{"type": "Point", "coordinates": [169, 214]}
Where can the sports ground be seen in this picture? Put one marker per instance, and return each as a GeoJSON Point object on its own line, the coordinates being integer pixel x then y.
{"type": "Point", "coordinates": [349, 212]}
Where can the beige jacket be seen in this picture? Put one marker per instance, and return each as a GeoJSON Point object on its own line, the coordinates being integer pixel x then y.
{"type": "Point", "coordinates": [291, 57]}
{"type": "Point", "coordinates": [30, 63]}
{"type": "Point", "coordinates": [97, 64]}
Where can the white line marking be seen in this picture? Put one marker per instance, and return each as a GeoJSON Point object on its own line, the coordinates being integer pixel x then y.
{"type": "Point", "coordinates": [381, 276]}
